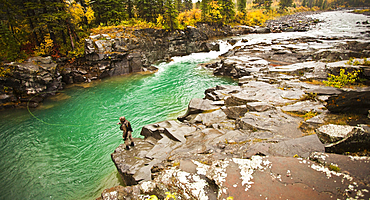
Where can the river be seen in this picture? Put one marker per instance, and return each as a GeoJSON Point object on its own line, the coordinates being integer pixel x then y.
{"type": "Point", "coordinates": [61, 150]}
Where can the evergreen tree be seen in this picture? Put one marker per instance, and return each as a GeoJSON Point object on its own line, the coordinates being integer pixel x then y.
{"type": "Point", "coordinates": [262, 4]}
{"type": "Point", "coordinates": [179, 6]}
{"type": "Point", "coordinates": [227, 10]}
{"type": "Point", "coordinates": [170, 15]}
{"type": "Point", "coordinates": [285, 3]}
{"type": "Point", "coordinates": [197, 5]}
{"type": "Point", "coordinates": [241, 4]}
{"type": "Point", "coordinates": [304, 3]}
{"type": "Point", "coordinates": [147, 10]}
{"type": "Point", "coordinates": [204, 6]}
{"type": "Point", "coordinates": [188, 5]}
{"type": "Point", "coordinates": [108, 11]}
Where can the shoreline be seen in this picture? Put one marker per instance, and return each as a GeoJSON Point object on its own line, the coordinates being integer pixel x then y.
{"type": "Point", "coordinates": [232, 123]}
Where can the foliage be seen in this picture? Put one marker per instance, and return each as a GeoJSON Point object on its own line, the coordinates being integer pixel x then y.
{"type": "Point", "coordinates": [4, 72]}
{"type": "Point", "coordinates": [241, 4]}
{"type": "Point", "coordinates": [169, 196]}
{"type": "Point", "coordinates": [227, 10]}
{"type": "Point", "coordinates": [285, 3]}
{"type": "Point", "coordinates": [170, 15]}
{"type": "Point", "coordinates": [309, 96]}
{"type": "Point", "coordinates": [344, 78]}
{"type": "Point", "coordinates": [266, 4]}
{"type": "Point", "coordinates": [46, 47]}
{"type": "Point", "coordinates": [352, 61]}
{"type": "Point", "coordinates": [214, 14]}
{"type": "Point", "coordinates": [189, 18]}
{"type": "Point", "coordinates": [10, 43]}
{"type": "Point", "coordinates": [255, 18]}
{"type": "Point", "coordinates": [361, 11]}
{"type": "Point", "coordinates": [309, 115]}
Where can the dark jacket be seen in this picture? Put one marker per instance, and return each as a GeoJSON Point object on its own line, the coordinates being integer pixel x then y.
{"type": "Point", "coordinates": [125, 126]}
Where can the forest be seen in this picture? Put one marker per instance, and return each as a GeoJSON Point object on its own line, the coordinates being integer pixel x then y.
{"type": "Point", "coordinates": [58, 27]}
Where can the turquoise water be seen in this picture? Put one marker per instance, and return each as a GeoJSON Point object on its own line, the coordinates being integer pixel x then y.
{"type": "Point", "coordinates": [61, 150]}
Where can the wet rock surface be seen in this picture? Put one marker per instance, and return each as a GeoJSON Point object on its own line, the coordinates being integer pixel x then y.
{"type": "Point", "coordinates": [275, 135]}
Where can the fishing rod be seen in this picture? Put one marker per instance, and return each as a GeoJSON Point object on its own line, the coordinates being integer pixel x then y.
{"type": "Point", "coordinates": [55, 124]}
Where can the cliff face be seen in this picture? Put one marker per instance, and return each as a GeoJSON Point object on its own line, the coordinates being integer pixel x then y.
{"type": "Point", "coordinates": [120, 51]}
{"type": "Point", "coordinates": [126, 51]}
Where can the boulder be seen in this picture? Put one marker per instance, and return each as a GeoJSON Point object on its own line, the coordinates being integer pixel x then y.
{"type": "Point", "coordinates": [333, 133]}
{"type": "Point", "coordinates": [357, 140]}
{"type": "Point", "coordinates": [198, 105]}
{"type": "Point", "coordinates": [357, 166]}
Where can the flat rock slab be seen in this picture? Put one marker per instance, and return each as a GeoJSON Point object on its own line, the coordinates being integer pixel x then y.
{"type": "Point", "coordinates": [273, 120]}
{"type": "Point", "coordinates": [256, 91]}
{"type": "Point", "coordinates": [357, 166]}
{"type": "Point", "coordinates": [305, 107]}
{"type": "Point", "coordinates": [197, 105]}
{"type": "Point", "coordinates": [261, 178]}
{"type": "Point", "coordinates": [211, 118]}
{"type": "Point", "coordinates": [302, 147]}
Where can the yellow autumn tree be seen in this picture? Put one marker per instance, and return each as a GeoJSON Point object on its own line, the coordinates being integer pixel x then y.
{"type": "Point", "coordinates": [46, 47]}
{"type": "Point", "coordinates": [189, 18]}
{"type": "Point", "coordinates": [79, 13]}
{"type": "Point", "coordinates": [214, 12]}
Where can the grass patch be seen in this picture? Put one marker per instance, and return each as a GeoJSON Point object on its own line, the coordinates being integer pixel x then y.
{"type": "Point", "coordinates": [334, 168]}
{"type": "Point", "coordinates": [305, 116]}
{"type": "Point", "coordinates": [309, 96]}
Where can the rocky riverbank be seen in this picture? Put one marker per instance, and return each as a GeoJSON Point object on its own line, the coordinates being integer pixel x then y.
{"type": "Point", "coordinates": [119, 51]}
{"type": "Point", "coordinates": [278, 134]}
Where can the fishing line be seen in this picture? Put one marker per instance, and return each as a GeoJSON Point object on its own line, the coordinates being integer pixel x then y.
{"type": "Point", "coordinates": [52, 124]}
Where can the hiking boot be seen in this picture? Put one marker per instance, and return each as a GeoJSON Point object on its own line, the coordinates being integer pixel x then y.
{"type": "Point", "coordinates": [127, 147]}
{"type": "Point", "coordinates": [132, 144]}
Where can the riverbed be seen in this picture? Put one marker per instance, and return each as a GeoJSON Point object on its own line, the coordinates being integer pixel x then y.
{"type": "Point", "coordinates": [61, 150]}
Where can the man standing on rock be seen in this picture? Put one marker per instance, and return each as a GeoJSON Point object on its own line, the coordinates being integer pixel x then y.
{"type": "Point", "coordinates": [127, 131]}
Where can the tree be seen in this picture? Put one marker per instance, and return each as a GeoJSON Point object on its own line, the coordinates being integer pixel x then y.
{"type": "Point", "coordinates": [214, 14]}
{"type": "Point", "coordinates": [148, 10]}
{"type": "Point", "coordinates": [170, 15]}
{"type": "Point", "coordinates": [227, 10]}
{"type": "Point", "coordinates": [197, 5]}
{"type": "Point", "coordinates": [204, 6]}
{"type": "Point", "coordinates": [241, 4]}
{"type": "Point", "coordinates": [188, 5]}
{"type": "Point", "coordinates": [108, 11]}
{"type": "Point", "coordinates": [285, 3]}
{"type": "Point", "coordinates": [266, 4]}
{"type": "Point", "coordinates": [179, 6]}
{"type": "Point", "coordinates": [304, 3]}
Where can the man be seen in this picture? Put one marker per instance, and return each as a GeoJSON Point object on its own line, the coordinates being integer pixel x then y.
{"type": "Point", "coordinates": [127, 131]}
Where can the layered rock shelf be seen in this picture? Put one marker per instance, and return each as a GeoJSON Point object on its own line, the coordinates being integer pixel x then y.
{"type": "Point", "coordinates": [277, 135]}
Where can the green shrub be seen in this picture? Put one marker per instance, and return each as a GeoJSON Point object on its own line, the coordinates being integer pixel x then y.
{"type": "Point", "coordinates": [342, 79]}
